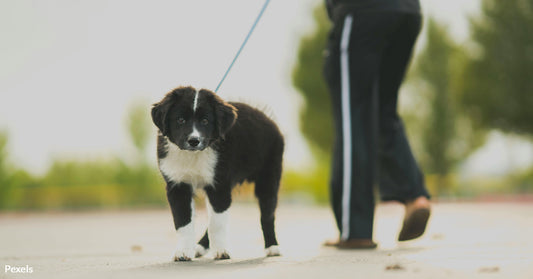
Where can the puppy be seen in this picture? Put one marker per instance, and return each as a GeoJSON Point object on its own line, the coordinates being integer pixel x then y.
{"type": "Point", "coordinates": [207, 143]}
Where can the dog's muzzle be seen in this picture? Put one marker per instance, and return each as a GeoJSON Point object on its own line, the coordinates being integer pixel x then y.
{"type": "Point", "coordinates": [195, 144]}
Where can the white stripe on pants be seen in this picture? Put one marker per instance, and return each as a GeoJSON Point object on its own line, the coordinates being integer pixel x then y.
{"type": "Point", "coordinates": [346, 127]}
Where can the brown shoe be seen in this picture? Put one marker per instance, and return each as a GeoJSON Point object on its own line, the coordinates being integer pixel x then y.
{"type": "Point", "coordinates": [358, 243]}
{"type": "Point", "coordinates": [414, 224]}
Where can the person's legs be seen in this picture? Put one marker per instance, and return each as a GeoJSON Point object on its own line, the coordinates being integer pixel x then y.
{"type": "Point", "coordinates": [351, 70]}
{"type": "Point", "coordinates": [400, 176]}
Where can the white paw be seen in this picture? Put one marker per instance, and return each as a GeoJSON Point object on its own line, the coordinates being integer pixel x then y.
{"type": "Point", "coordinates": [184, 255]}
{"type": "Point", "coordinates": [200, 251]}
{"type": "Point", "coordinates": [185, 248]}
{"type": "Point", "coordinates": [221, 254]}
{"type": "Point", "coordinates": [272, 251]}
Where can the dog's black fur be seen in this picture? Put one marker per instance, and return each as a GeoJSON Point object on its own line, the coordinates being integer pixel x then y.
{"type": "Point", "coordinates": [249, 146]}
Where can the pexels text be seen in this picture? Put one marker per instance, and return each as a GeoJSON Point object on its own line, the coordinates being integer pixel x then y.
{"type": "Point", "coordinates": [18, 269]}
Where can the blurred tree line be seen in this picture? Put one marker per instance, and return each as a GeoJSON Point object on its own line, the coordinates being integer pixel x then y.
{"type": "Point", "coordinates": [453, 95]}
{"type": "Point", "coordinates": [82, 183]}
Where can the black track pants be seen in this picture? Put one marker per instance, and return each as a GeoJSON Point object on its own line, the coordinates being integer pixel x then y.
{"type": "Point", "coordinates": [366, 59]}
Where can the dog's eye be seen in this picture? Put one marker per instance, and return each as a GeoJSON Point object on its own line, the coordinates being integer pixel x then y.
{"type": "Point", "coordinates": [204, 121]}
{"type": "Point", "coordinates": [181, 121]}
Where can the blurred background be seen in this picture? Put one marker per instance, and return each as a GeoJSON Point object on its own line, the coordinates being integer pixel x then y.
{"type": "Point", "coordinates": [77, 80]}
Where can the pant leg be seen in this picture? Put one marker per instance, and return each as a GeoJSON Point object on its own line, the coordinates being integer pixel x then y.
{"type": "Point", "coordinates": [332, 77]}
{"type": "Point", "coordinates": [351, 70]}
{"type": "Point", "coordinates": [400, 176]}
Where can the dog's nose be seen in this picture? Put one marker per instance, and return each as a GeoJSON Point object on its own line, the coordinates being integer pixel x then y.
{"type": "Point", "coordinates": [193, 141]}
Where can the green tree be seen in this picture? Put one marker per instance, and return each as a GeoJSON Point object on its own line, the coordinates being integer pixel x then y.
{"type": "Point", "coordinates": [11, 178]}
{"type": "Point", "coordinates": [498, 93]}
{"type": "Point", "coordinates": [316, 120]}
{"type": "Point", "coordinates": [143, 178]}
{"type": "Point", "coordinates": [315, 116]}
{"type": "Point", "coordinates": [4, 173]}
{"type": "Point", "coordinates": [447, 135]}
{"type": "Point", "coordinates": [139, 128]}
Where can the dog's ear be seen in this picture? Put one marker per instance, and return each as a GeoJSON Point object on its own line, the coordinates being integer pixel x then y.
{"type": "Point", "coordinates": [160, 112]}
{"type": "Point", "coordinates": [226, 115]}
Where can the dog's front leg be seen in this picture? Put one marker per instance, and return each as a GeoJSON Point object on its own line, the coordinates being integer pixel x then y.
{"type": "Point", "coordinates": [182, 206]}
{"type": "Point", "coordinates": [219, 201]}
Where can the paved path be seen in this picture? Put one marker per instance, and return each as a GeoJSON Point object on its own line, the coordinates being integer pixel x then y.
{"type": "Point", "coordinates": [491, 240]}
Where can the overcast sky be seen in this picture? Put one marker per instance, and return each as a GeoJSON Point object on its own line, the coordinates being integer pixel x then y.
{"type": "Point", "coordinates": [69, 69]}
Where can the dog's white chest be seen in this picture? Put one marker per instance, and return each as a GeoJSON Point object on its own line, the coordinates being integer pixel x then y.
{"type": "Point", "coordinates": [193, 167]}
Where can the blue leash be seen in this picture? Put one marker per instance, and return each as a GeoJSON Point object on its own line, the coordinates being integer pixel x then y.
{"type": "Point", "coordinates": [243, 44]}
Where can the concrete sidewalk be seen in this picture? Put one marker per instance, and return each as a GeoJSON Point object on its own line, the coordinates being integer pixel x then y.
{"type": "Point", "coordinates": [487, 240]}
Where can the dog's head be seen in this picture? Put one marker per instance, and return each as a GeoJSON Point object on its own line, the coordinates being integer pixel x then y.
{"type": "Point", "coordinates": [193, 119]}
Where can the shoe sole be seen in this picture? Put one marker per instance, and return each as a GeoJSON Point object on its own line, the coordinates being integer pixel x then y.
{"type": "Point", "coordinates": [415, 225]}
{"type": "Point", "coordinates": [350, 246]}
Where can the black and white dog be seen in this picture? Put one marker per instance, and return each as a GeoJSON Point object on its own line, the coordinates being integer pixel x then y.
{"type": "Point", "coordinates": [204, 142]}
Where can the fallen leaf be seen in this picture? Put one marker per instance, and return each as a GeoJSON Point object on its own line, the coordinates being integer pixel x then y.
{"type": "Point", "coordinates": [394, 267]}
{"type": "Point", "coordinates": [136, 248]}
{"type": "Point", "coordinates": [489, 269]}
